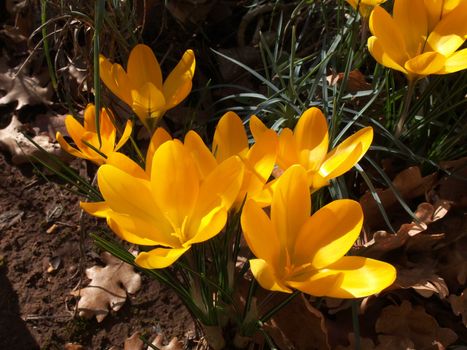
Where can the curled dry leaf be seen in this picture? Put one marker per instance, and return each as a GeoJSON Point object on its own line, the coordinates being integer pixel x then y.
{"type": "Point", "coordinates": [21, 149]}
{"type": "Point", "coordinates": [414, 324]}
{"type": "Point", "coordinates": [24, 89]}
{"type": "Point", "coordinates": [409, 183]}
{"type": "Point", "coordinates": [135, 343]}
{"type": "Point", "coordinates": [106, 289]}
{"type": "Point", "coordinates": [423, 280]}
{"type": "Point", "coordinates": [459, 305]}
{"type": "Point", "coordinates": [409, 234]}
{"type": "Point", "coordinates": [355, 82]}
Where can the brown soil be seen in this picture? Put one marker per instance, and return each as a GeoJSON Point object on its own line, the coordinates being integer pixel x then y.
{"type": "Point", "coordinates": [36, 308]}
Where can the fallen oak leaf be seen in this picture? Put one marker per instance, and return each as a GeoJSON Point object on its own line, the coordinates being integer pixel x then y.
{"type": "Point", "coordinates": [459, 305]}
{"type": "Point", "coordinates": [105, 289]}
{"type": "Point", "coordinates": [423, 280]}
{"type": "Point", "coordinates": [355, 81]}
{"type": "Point", "coordinates": [21, 148]}
{"type": "Point", "coordinates": [134, 342]}
{"type": "Point", "coordinates": [414, 324]}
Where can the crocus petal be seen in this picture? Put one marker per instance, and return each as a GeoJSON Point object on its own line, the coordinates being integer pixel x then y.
{"type": "Point", "coordinates": [125, 135]}
{"type": "Point", "coordinates": [148, 101]}
{"type": "Point", "coordinates": [290, 205]}
{"type": "Point", "coordinates": [257, 127]}
{"type": "Point", "coordinates": [205, 161]}
{"type": "Point", "coordinates": [143, 67]}
{"type": "Point", "coordinates": [99, 209]}
{"type": "Point", "coordinates": [229, 138]}
{"type": "Point", "coordinates": [265, 276]}
{"type": "Point", "coordinates": [425, 64]}
{"type": "Point", "coordinates": [328, 234]}
{"type": "Point", "coordinates": [159, 258]}
{"type": "Point", "coordinates": [75, 130]}
{"type": "Point", "coordinates": [414, 27]}
{"type": "Point", "coordinates": [350, 277]}
{"type": "Point", "coordinates": [158, 138]}
{"type": "Point", "coordinates": [106, 126]}
{"type": "Point", "coordinates": [383, 26]}
{"type": "Point", "coordinates": [209, 226]}
{"type": "Point", "coordinates": [342, 158]}
{"type": "Point", "coordinates": [174, 181]}
{"type": "Point", "coordinates": [377, 50]}
{"type": "Point", "coordinates": [261, 235]}
{"type": "Point", "coordinates": [130, 229]}
{"type": "Point", "coordinates": [90, 118]}
{"type": "Point", "coordinates": [311, 133]}
{"type": "Point", "coordinates": [288, 151]}
{"type": "Point", "coordinates": [116, 79]}
{"type": "Point", "coordinates": [126, 164]}
{"type": "Point", "coordinates": [437, 9]}
{"type": "Point", "coordinates": [454, 63]}
{"type": "Point", "coordinates": [178, 84]}
{"type": "Point", "coordinates": [67, 148]}
{"type": "Point", "coordinates": [450, 33]}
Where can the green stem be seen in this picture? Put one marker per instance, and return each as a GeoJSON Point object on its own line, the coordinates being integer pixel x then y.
{"type": "Point", "coordinates": [356, 324]}
{"type": "Point", "coordinates": [99, 16]}
{"type": "Point", "coordinates": [405, 110]}
{"type": "Point", "coordinates": [45, 43]}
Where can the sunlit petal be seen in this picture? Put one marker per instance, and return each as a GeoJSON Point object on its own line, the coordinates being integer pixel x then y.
{"type": "Point", "coordinates": [67, 148]}
{"type": "Point", "coordinates": [99, 209]}
{"type": "Point", "coordinates": [178, 84]}
{"type": "Point", "coordinates": [456, 62]}
{"type": "Point", "coordinates": [229, 138]}
{"type": "Point", "coordinates": [414, 27]}
{"type": "Point", "coordinates": [257, 127]}
{"type": "Point", "coordinates": [143, 67]}
{"type": "Point", "coordinates": [426, 64]}
{"type": "Point", "coordinates": [159, 258]}
{"type": "Point", "coordinates": [377, 50]}
{"type": "Point", "coordinates": [204, 159]}
{"type": "Point", "coordinates": [148, 101]}
{"type": "Point", "coordinates": [125, 135]}
{"type": "Point", "coordinates": [288, 150]}
{"type": "Point", "coordinates": [265, 276]}
{"type": "Point", "coordinates": [128, 165]}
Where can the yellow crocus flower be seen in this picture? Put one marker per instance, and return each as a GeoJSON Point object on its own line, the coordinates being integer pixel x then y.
{"type": "Point", "coordinates": [170, 206]}
{"type": "Point", "coordinates": [308, 145]}
{"type": "Point", "coordinates": [86, 137]}
{"type": "Point", "coordinates": [297, 251]}
{"type": "Point", "coordinates": [364, 6]}
{"type": "Point", "coordinates": [230, 139]}
{"type": "Point", "coordinates": [421, 38]}
{"type": "Point", "coordinates": [141, 86]}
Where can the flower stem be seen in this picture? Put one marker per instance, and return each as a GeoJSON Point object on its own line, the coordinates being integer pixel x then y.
{"type": "Point", "coordinates": [405, 110]}
{"type": "Point", "coordinates": [356, 324]}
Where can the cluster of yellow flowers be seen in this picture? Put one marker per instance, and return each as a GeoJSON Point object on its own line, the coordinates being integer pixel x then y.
{"type": "Point", "coordinates": [185, 191]}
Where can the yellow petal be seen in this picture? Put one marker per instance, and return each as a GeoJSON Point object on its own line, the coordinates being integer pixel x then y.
{"type": "Point", "coordinates": [125, 135]}
{"type": "Point", "coordinates": [342, 158]}
{"type": "Point", "coordinates": [311, 133]}
{"type": "Point", "coordinates": [67, 148]}
{"type": "Point", "coordinates": [174, 181]}
{"type": "Point", "coordinates": [75, 130]}
{"type": "Point", "coordinates": [261, 235]}
{"type": "Point", "coordinates": [379, 53]}
{"type": "Point", "coordinates": [158, 138]}
{"type": "Point", "coordinates": [350, 277]}
{"type": "Point", "coordinates": [107, 128]}
{"type": "Point", "coordinates": [388, 33]}
{"type": "Point", "coordinates": [290, 205]}
{"type": "Point", "coordinates": [116, 79]}
{"type": "Point", "coordinates": [205, 161]}
{"type": "Point", "coordinates": [414, 27]}
{"type": "Point", "coordinates": [288, 154]}
{"type": "Point", "coordinates": [437, 9]}
{"type": "Point", "coordinates": [265, 276]}
{"type": "Point", "coordinates": [210, 225]}
{"type": "Point", "coordinates": [257, 127]}
{"type": "Point", "coordinates": [454, 63]}
{"type": "Point", "coordinates": [99, 209]}
{"type": "Point", "coordinates": [426, 64]}
{"type": "Point", "coordinates": [159, 258]}
{"type": "Point", "coordinates": [450, 33]}
{"type": "Point", "coordinates": [126, 164]}
{"type": "Point", "coordinates": [90, 118]}
{"type": "Point", "coordinates": [229, 138]}
{"type": "Point", "coordinates": [148, 102]}
{"type": "Point", "coordinates": [329, 234]}
{"type": "Point", "coordinates": [143, 67]}
{"type": "Point", "coordinates": [178, 84]}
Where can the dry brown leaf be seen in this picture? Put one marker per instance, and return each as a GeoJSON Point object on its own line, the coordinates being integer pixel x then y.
{"type": "Point", "coordinates": [73, 346]}
{"type": "Point", "coordinates": [391, 342]}
{"type": "Point", "coordinates": [20, 148]}
{"type": "Point", "coordinates": [356, 81]}
{"type": "Point", "coordinates": [409, 183]}
{"type": "Point", "coordinates": [459, 305]}
{"type": "Point", "coordinates": [423, 280]}
{"type": "Point", "coordinates": [105, 289]}
{"type": "Point", "coordinates": [365, 344]}
{"type": "Point", "coordinates": [190, 12]}
{"type": "Point", "coordinates": [24, 89]}
{"type": "Point", "coordinates": [135, 343]}
{"type": "Point", "coordinates": [299, 326]}
{"type": "Point", "coordinates": [409, 234]}
{"type": "Point", "coordinates": [414, 324]}
{"type": "Point", "coordinates": [454, 187]}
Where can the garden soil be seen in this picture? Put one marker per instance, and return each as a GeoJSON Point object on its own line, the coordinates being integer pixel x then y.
{"type": "Point", "coordinates": [41, 263]}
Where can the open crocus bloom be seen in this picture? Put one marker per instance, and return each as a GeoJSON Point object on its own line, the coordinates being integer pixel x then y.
{"type": "Point", "coordinates": [296, 250]}
{"type": "Point", "coordinates": [421, 38]}
{"type": "Point", "coordinates": [141, 86]}
{"type": "Point", "coordinates": [365, 6]}
{"type": "Point", "coordinates": [86, 137]}
{"type": "Point", "coordinates": [308, 145]}
{"type": "Point", "coordinates": [170, 207]}
{"type": "Point", "coordinates": [230, 139]}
